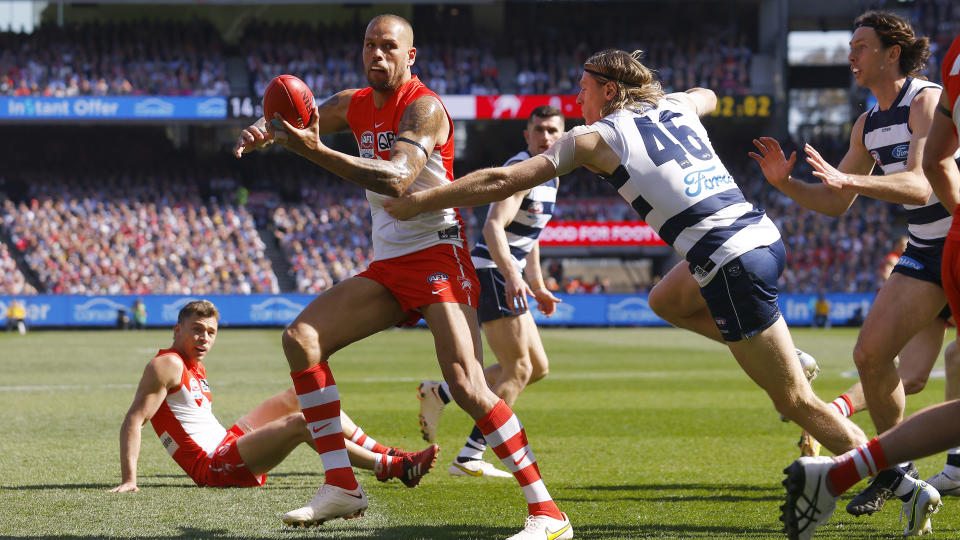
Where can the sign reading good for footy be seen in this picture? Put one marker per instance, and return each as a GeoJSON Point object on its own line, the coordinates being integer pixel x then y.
{"type": "Point", "coordinates": [595, 233]}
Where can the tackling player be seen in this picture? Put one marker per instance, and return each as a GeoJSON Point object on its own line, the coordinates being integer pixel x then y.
{"type": "Point", "coordinates": [655, 151]}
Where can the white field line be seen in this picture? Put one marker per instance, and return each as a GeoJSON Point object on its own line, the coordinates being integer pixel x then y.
{"type": "Point", "coordinates": [584, 375]}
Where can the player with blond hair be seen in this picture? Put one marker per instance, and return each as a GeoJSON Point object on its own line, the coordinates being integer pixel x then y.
{"type": "Point", "coordinates": [655, 151]}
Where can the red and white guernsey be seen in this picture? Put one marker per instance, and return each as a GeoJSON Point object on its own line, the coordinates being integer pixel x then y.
{"type": "Point", "coordinates": [375, 131]}
{"type": "Point", "coordinates": [951, 79]}
{"type": "Point", "coordinates": [185, 422]}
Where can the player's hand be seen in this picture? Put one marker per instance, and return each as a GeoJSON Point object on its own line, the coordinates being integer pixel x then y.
{"type": "Point", "coordinates": [126, 487]}
{"type": "Point", "coordinates": [776, 168]}
{"type": "Point", "coordinates": [516, 292]}
{"type": "Point", "coordinates": [300, 141]}
{"type": "Point", "coordinates": [402, 208]}
{"type": "Point", "coordinates": [830, 176]}
{"type": "Point", "coordinates": [546, 301]}
{"type": "Point", "coordinates": [252, 138]}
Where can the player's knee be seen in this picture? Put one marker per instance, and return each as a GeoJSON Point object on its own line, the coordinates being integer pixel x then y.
{"type": "Point", "coordinates": [538, 370]}
{"type": "Point", "coordinates": [794, 404]}
{"type": "Point", "coordinates": [660, 303]}
{"type": "Point", "coordinates": [300, 339]}
{"type": "Point", "coordinates": [869, 360]}
{"type": "Point", "coordinates": [521, 371]}
{"type": "Point", "coordinates": [914, 383]}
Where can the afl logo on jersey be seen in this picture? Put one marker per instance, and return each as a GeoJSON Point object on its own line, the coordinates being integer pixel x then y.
{"type": "Point", "coordinates": [536, 207]}
{"type": "Point", "coordinates": [901, 151]}
{"type": "Point", "coordinates": [876, 157]}
{"type": "Point", "coordinates": [366, 144]}
{"type": "Point", "coordinates": [437, 277]}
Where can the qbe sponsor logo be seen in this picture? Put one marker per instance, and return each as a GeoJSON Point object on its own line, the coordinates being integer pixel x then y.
{"type": "Point", "coordinates": [97, 310]}
{"type": "Point", "coordinates": [385, 141]}
{"type": "Point", "coordinates": [632, 311]}
{"type": "Point", "coordinates": [275, 310]}
{"type": "Point", "coordinates": [168, 443]}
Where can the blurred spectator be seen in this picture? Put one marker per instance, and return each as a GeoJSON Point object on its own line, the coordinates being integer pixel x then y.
{"type": "Point", "coordinates": [139, 314]}
{"type": "Point", "coordinates": [17, 316]}
{"type": "Point", "coordinates": [821, 312]}
{"type": "Point", "coordinates": [12, 280]}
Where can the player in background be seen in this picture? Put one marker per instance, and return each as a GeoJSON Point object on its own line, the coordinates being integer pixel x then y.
{"type": "Point", "coordinates": [174, 396]}
{"type": "Point", "coordinates": [885, 57]}
{"type": "Point", "coordinates": [420, 268]}
{"type": "Point", "coordinates": [814, 484]}
{"type": "Point", "coordinates": [655, 151]}
{"type": "Point", "coordinates": [509, 249]}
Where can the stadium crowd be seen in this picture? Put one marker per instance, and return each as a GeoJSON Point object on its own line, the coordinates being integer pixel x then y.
{"type": "Point", "coordinates": [140, 58]}
{"type": "Point", "coordinates": [108, 237]}
{"type": "Point", "coordinates": [12, 280]}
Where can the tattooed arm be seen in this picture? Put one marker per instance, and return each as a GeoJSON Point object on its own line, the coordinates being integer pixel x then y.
{"type": "Point", "coordinates": [331, 117]}
{"type": "Point", "coordinates": [423, 124]}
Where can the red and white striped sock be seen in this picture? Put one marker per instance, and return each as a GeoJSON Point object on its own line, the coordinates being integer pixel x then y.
{"type": "Point", "coordinates": [504, 433]}
{"type": "Point", "coordinates": [386, 466]}
{"type": "Point", "coordinates": [320, 403]}
{"type": "Point", "coordinates": [367, 442]}
{"type": "Point", "coordinates": [857, 464]}
{"type": "Point", "coordinates": [844, 405]}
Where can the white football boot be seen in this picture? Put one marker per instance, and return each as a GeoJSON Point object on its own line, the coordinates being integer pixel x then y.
{"type": "Point", "coordinates": [431, 406]}
{"type": "Point", "coordinates": [809, 503]}
{"type": "Point", "coordinates": [545, 528]}
{"type": "Point", "coordinates": [923, 503]}
{"type": "Point", "coordinates": [330, 502]}
{"type": "Point", "coordinates": [477, 468]}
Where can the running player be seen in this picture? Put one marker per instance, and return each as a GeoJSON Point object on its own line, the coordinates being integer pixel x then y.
{"type": "Point", "coordinates": [174, 396]}
{"type": "Point", "coordinates": [884, 56]}
{"type": "Point", "coordinates": [508, 248]}
{"type": "Point", "coordinates": [654, 150]}
{"type": "Point", "coordinates": [421, 268]}
{"type": "Point", "coordinates": [814, 484]}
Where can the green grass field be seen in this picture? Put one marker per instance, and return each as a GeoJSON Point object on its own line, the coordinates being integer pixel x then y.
{"type": "Point", "coordinates": [639, 433]}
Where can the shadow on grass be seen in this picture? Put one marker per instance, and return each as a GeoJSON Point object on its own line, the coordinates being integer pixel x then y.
{"type": "Point", "coordinates": [667, 493]}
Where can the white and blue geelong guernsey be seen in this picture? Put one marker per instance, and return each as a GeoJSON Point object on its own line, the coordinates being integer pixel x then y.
{"type": "Point", "coordinates": [886, 135]}
{"type": "Point", "coordinates": [670, 174]}
{"type": "Point", "coordinates": [524, 229]}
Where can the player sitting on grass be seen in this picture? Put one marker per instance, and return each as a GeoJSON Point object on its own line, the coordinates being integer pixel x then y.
{"type": "Point", "coordinates": [174, 396]}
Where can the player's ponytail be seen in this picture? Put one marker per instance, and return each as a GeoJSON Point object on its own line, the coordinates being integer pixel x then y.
{"type": "Point", "coordinates": [637, 85]}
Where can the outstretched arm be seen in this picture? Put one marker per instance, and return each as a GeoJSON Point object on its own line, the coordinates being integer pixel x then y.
{"type": "Point", "coordinates": [905, 187]}
{"type": "Point", "coordinates": [495, 236]}
{"type": "Point", "coordinates": [702, 100]}
{"type": "Point", "coordinates": [546, 301]}
{"type": "Point", "coordinates": [824, 197]}
{"type": "Point", "coordinates": [423, 125]}
{"type": "Point", "coordinates": [572, 150]}
{"type": "Point", "coordinates": [161, 373]}
{"type": "Point", "coordinates": [938, 164]}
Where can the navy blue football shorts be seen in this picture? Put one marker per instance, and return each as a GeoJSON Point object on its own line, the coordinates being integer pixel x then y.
{"type": "Point", "coordinates": [493, 296]}
{"type": "Point", "coordinates": [742, 296]}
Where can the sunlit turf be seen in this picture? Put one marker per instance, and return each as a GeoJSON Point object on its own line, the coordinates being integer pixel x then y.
{"type": "Point", "coordinates": [639, 433]}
